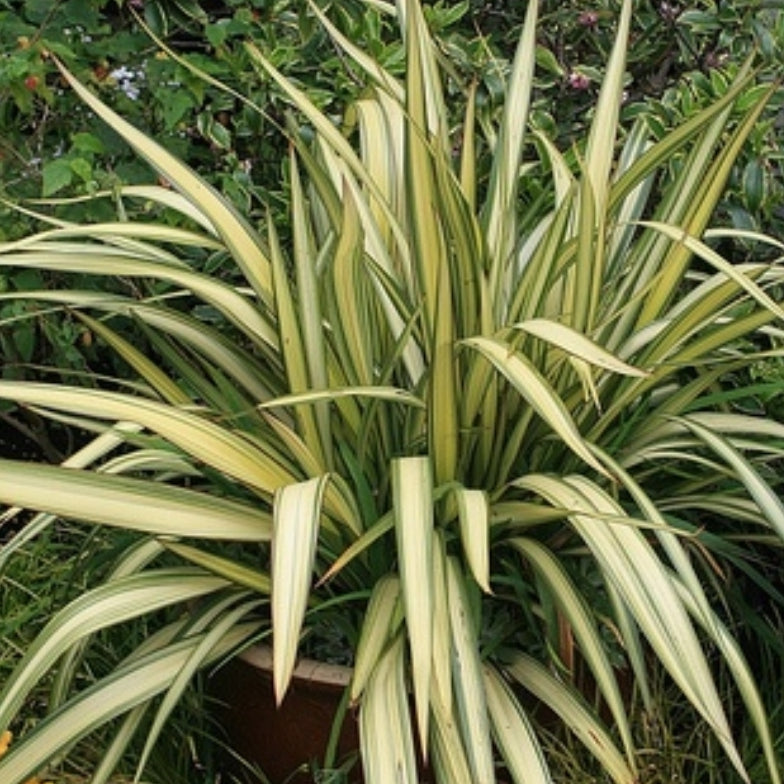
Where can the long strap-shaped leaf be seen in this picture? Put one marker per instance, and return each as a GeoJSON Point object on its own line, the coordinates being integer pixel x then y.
{"type": "Point", "coordinates": [631, 565]}
{"type": "Point", "coordinates": [114, 752]}
{"type": "Point", "coordinates": [467, 677]}
{"type": "Point", "coordinates": [238, 309]}
{"type": "Point", "coordinates": [148, 370]}
{"type": "Point", "coordinates": [412, 489]}
{"type": "Point", "coordinates": [527, 380]}
{"type": "Point", "coordinates": [600, 150]}
{"type": "Point", "coordinates": [292, 344]}
{"type": "Point", "coordinates": [584, 628]}
{"type": "Point", "coordinates": [766, 498]}
{"type": "Point", "coordinates": [569, 707]}
{"type": "Point", "coordinates": [441, 686]}
{"type": "Point", "coordinates": [709, 188]}
{"type": "Point", "coordinates": [499, 214]}
{"type": "Point", "coordinates": [130, 503]}
{"type": "Point", "coordinates": [196, 661]}
{"type": "Point", "coordinates": [576, 344]}
{"type": "Point", "coordinates": [428, 243]}
{"type": "Point", "coordinates": [91, 452]}
{"type": "Point", "coordinates": [474, 513]}
{"type": "Point", "coordinates": [351, 292]}
{"type": "Point", "coordinates": [667, 147]}
{"type": "Point", "coordinates": [713, 258]}
{"type": "Point", "coordinates": [382, 620]}
{"type": "Point", "coordinates": [385, 723]}
{"type": "Point", "coordinates": [513, 732]}
{"type": "Point", "coordinates": [129, 230]}
{"type": "Point", "coordinates": [744, 677]}
{"type": "Point", "coordinates": [216, 446]}
{"type": "Point", "coordinates": [447, 753]}
{"type": "Point", "coordinates": [235, 232]}
{"type": "Point", "coordinates": [210, 344]}
{"type": "Point", "coordinates": [235, 572]}
{"type": "Point", "coordinates": [297, 514]}
{"type": "Point", "coordinates": [309, 309]}
{"type": "Point", "coordinates": [651, 278]}
{"type": "Point", "coordinates": [372, 68]}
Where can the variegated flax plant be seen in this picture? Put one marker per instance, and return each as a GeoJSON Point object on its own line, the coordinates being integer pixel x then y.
{"type": "Point", "coordinates": [489, 438]}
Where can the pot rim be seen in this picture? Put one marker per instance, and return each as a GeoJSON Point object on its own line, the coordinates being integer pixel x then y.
{"type": "Point", "coordinates": [306, 669]}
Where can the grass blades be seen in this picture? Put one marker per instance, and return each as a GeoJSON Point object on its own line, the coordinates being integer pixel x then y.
{"type": "Point", "coordinates": [109, 604]}
{"type": "Point", "coordinates": [127, 687]}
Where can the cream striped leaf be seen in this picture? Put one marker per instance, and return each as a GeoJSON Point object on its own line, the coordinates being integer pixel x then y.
{"type": "Point", "coordinates": [126, 502]}
{"type": "Point", "coordinates": [385, 724]}
{"type": "Point", "coordinates": [296, 516]}
{"type": "Point", "coordinates": [573, 606]}
{"type": "Point", "coordinates": [382, 620]}
{"type": "Point", "coordinates": [474, 513]}
{"type": "Point", "coordinates": [569, 707]}
{"type": "Point", "coordinates": [467, 678]}
{"type": "Point", "coordinates": [126, 688]}
{"type": "Point", "coordinates": [234, 230]}
{"type": "Point", "coordinates": [513, 732]}
{"type": "Point", "coordinates": [217, 446]}
{"type": "Point", "coordinates": [530, 383]}
{"type": "Point", "coordinates": [99, 608]}
{"type": "Point", "coordinates": [412, 494]}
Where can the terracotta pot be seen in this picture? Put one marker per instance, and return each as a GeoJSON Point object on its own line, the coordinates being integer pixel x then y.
{"type": "Point", "coordinates": [286, 742]}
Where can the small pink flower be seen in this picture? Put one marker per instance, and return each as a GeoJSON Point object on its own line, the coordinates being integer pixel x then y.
{"type": "Point", "coordinates": [578, 81]}
{"type": "Point", "coordinates": [588, 19]}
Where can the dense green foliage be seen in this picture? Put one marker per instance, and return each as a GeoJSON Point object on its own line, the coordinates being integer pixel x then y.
{"type": "Point", "coordinates": [50, 145]}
